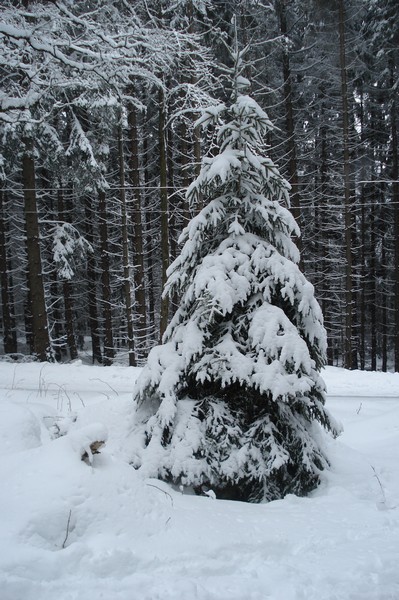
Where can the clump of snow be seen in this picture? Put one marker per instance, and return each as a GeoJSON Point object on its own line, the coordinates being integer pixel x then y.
{"type": "Point", "coordinates": [19, 428]}
{"type": "Point", "coordinates": [82, 440]}
{"type": "Point", "coordinates": [69, 247]}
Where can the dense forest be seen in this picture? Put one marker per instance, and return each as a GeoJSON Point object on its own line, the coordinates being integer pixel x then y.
{"type": "Point", "coordinates": [99, 104]}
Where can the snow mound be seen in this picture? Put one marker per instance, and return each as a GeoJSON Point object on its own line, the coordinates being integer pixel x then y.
{"type": "Point", "coordinates": [19, 428]}
{"type": "Point", "coordinates": [83, 440]}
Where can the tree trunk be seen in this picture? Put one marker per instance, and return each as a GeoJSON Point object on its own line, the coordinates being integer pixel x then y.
{"type": "Point", "coordinates": [57, 337]}
{"type": "Point", "coordinates": [395, 202]}
{"type": "Point", "coordinates": [184, 167]}
{"type": "Point", "coordinates": [91, 287]}
{"type": "Point", "coordinates": [384, 316]}
{"type": "Point", "coordinates": [125, 255]}
{"type": "Point", "coordinates": [289, 119]}
{"type": "Point", "coordinates": [138, 271]}
{"type": "Point", "coordinates": [40, 334]}
{"type": "Point", "coordinates": [362, 333]}
{"type": "Point", "coordinates": [150, 278]}
{"type": "Point", "coordinates": [69, 317]}
{"type": "Point", "coordinates": [9, 332]}
{"type": "Point", "coordinates": [373, 294]}
{"type": "Point", "coordinates": [348, 349]}
{"type": "Point", "coordinates": [109, 351]}
{"type": "Point", "coordinates": [164, 208]}
{"type": "Point", "coordinates": [363, 229]}
{"type": "Point", "coordinates": [67, 293]}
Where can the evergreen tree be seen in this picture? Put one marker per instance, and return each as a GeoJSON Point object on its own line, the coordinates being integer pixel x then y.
{"type": "Point", "coordinates": [231, 399]}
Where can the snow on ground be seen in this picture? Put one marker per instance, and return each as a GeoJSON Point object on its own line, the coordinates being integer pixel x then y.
{"type": "Point", "coordinates": [76, 531]}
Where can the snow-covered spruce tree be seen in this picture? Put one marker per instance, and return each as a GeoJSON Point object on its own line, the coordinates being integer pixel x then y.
{"type": "Point", "coordinates": [232, 397]}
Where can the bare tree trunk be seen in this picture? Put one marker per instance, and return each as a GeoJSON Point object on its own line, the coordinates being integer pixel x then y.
{"type": "Point", "coordinates": [173, 231]}
{"type": "Point", "coordinates": [348, 349]}
{"type": "Point", "coordinates": [384, 319]}
{"type": "Point", "coordinates": [67, 293]}
{"type": "Point", "coordinates": [373, 294]}
{"type": "Point", "coordinates": [69, 317]}
{"type": "Point", "coordinates": [184, 164]}
{"type": "Point", "coordinates": [40, 334]}
{"type": "Point", "coordinates": [125, 255]}
{"type": "Point", "coordinates": [197, 134]}
{"type": "Point", "coordinates": [164, 208]}
{"type": "Point", "coordinates": [109, 351]}
{"type": "Point", "coordinates": [322, 249]}
{"type": "Point", "coordinates": [138, 271]}
{"type": "Point", "coordinates": [91, 287]}
{"type": "Point", "coordinates": [395, 202]}
{"type": "Point", "coordinates": [363, 229]}
{"type": "Point", "coordinates": [362, 334]}
{"type": "Point", "coordinates": [58, 345]}
{"type": "Point", "coordinates": [150, 279]}
{"type": "Point", "coordinates": [9, 332]}
{"type": "Point", "coordinates": [289, 119]}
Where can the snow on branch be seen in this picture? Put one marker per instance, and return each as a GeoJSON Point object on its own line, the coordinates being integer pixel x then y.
{"type": "Point", "coordinates": [69, 246]}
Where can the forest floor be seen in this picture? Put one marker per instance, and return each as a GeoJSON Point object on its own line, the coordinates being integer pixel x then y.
{"type": "Point", "coordinates": [73, 531]}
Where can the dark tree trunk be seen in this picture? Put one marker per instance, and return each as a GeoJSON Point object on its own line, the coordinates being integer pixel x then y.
{"type": "Point", "coordinates": [164, 207]}
{"type": "Point", "coordinates": [395, 202]}
{"type": "Point", "coordinates": [109, 351]}
{"type": "Point", "coordinates": [150, 278]}
{"type": "Point", "coordinates": [40, 334]}
{"type": "Point", "coordinates": [363, 229]}
{"type": "Point", "coordinates": [138, 271]}
{"type": "Point", "coordinates": [173, 233]}
{"type": "Point", "coordinates": [91, 287]}
{"type": "Point", "coordinates": [373, 295]}
{"type": "Point", "coordinates": [58, 342]}
{"type": "Point", "coordinates": [184, 166]}
{"type": "Point", "coordinates": [348, 348]}
{"type": "Point", "coordinates": [8, 312]}
{"type": "Point", "coordinates": [125, 255]}
{"type": "Point", "coordinates": [69, 319]}
{"type": "Point", "coordinates": [68, 296]}
{"type": "Point", "coordinates": [289, 118]}
{"type": "Point", "coordinates": [384, 320]}
{"type": "Point", "coordinates": [362, 334]}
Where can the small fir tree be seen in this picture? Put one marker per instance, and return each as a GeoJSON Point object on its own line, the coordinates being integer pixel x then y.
{"type": "Point", "coordinates": [231, 399]}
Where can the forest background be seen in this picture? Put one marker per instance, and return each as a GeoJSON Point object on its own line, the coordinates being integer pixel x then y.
{"type": "Point", "coordinates": [98, 144]}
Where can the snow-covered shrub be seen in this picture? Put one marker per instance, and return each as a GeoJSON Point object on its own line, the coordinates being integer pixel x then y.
{"type": "Point", "coordinates": [233, 398]}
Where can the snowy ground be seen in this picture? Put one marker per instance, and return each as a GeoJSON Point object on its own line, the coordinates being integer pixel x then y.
{"type": "Point", "coordinates": [71, 531]}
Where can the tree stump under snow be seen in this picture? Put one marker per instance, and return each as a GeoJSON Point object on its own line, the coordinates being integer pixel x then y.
{"type": "Point", "coordinates": [88, 441]}
{"type": "Point", "coordinates": [94, 449]}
